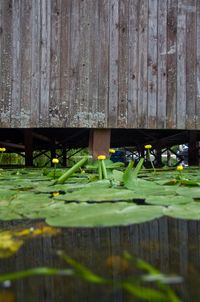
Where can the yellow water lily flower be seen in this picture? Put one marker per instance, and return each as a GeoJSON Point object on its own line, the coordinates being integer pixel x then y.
{"type": "Point", "coordinates": [55, 161]}
{"type": "Point", "coordinates": [112, 150]}
{"type": "Point", "coordinates": [148, 146]}
{"type": "Point", "coordinates": [54, 194]}
{"type": "Point", "coordinates": [179, 168]}
{"type": "Point", "coordinates": [2, 149]}
{"type": "Point", "coordinates": [101, 157]}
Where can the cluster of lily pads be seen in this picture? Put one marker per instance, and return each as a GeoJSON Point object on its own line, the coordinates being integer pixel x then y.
{"type": "Point", "coordinates": [126, 196]}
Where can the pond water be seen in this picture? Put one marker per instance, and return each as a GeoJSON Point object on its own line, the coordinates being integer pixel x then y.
{"type": "Point", "coordinates": [171, 245]}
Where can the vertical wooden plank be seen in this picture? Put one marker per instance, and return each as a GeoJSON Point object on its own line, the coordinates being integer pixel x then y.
{"type": "Point", "coordinates": [64, 61]}
{"type": "Point", "coordinates": [55, 114]}
{"type": "Point", "coordinates": [113, 62]}
{"type": "Point", "coordinates": [123, 64]}
{"type": "Point", "coordinates": [74, 64]}
{"type": "Point", "coordinates": [26, 27]}
{"type": "Point", "coordinates": [152, 63]}
{"type": "Point", "coordinates": [171, 63]}
{"type": "Point", "coordinates": [45, 62]}
{"type": "Point", "coordinates": [103, 62]}
{"type": "Point", "coordinates": [16, 64]}
{"type": "Point", "coordinates": [142, 71]}
{"type": "Point", "coordinates": [183, 246]}
{"type": "Point", "coordinates": [35, 59]}
{"type": "Point", "coordinates": [82, 116]}
{"type": "Point", "coordinates": [93, 113]}
{"type": "Point", "coordinates": [181, 65]}
{"type": "Point", "coordinates": [1, 61]}
{"type": "Point", "coordinates": [133, 63]}
{"type": "Point", "coordinates": [191, 49]}
{"type": "Point", "coordinates": [6, 62]}
{"type": "Point", "coordinates": [162, 60]}
{"type": "Point", "coordinates": [164, 244]}
{"type": "Point", "coordinates": [198, 65]}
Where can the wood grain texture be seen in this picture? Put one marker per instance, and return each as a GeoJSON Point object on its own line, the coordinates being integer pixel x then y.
{"type": "Point", "coordinates": [191, 48]}
{"type": "Point", "coordinates": [142, 69]}
{"type": "Point", "coordinates": [46, 9]}
{"type": "Point", "coordinates": [35, 63]}
{"type": "Point", "coordinates": [181, 65]}
{"type": "Point", "coordinates": [26, 44]}
{"type": "Point", "coordinates": [162, 64]}
{"type": "Point", "coordinates": [133, 63]}
{"type": "Point", "coordinates": [100, 64]}
{"type": "Point", "coordinates": [6, 63]}
{"type": "Point", "coordinates": [16, 64]}
{"type": "Point", "coordinates": [123, 64]}
{"type": "Point", "coordinates": [103, 63]}
{"type": "Point", "coordinates": [113, 62]}
{"type": "Point", "coordinates": [152, 63]}
{"type": "Point", "coordinates": [198, 67]}
{"type": "Point", "coordinates": [55, 103]}
{"type": "Point", "coordinates": [171, 108]}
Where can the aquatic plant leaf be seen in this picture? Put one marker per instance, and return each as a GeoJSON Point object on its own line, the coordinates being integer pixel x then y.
{"type": "Point", "coordinates": [168, 200]}
{"type": "Point", "coordinates": [187, 211]}
{"type": "Point", "coordinates": [39, 271]}
{"type": "Point", "coordinates": [106, 214]}
{"type": "Point", "coordinates": [82, 271]}
{"type": "Point", "coordinates": [6, 195]}
{"type": "Point", "coordinates": [98, 194]}
{"type": "Point", "coordinates": [144, 293]}
{"type": "Point", "coordinates": [188, 191]}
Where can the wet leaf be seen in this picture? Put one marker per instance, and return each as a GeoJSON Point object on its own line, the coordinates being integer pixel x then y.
{"type": "Point", "coordinates": [188, 211]}
{"type": "Point", "coordinates": [106, 214]}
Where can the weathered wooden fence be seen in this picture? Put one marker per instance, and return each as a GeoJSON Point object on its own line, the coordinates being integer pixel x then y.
{"type": "Point", "coordinates": [100, 63]}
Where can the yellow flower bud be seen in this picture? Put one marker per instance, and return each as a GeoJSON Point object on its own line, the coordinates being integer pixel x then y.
{"type": "Point", "coordinates": [101, 157]}
{"type": "Point", "coordinates": [2, 149]}
{"type": "Point", "coordinates": [54, 194]}
{"type": "Point", "coordinates": [111, 150]}
{"type": "Point", "coordinates": [148, 146]}
{"type": "Point", "coordinates": [55, 161]}
{"type": "Point", "coordinates": [179, 168]}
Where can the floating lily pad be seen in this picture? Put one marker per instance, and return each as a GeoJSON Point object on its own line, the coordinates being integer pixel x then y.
{"type": "Point", "coordinates": [107, 214]}
{"type": "Point", "coordinates": [168, 200]}
{"type": "Point", "coordinates": [188, 211]}
{"type": "Point", "coordinates": [98, 194]}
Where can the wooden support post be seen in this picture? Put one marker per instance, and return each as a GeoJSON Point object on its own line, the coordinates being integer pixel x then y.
{"type": "Point", "coordinates": [193, 149]}
{"type": "Point", "coordinates": [28, 142]}
{"type": "Point", "coordinates": [99, 142]}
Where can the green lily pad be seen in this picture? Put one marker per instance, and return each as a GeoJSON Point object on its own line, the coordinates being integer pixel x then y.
{"type": "Point", "coordinates": [98, 194]}
{"type": "Point", "coordinates": [107, 214]}
{"type": "Point", "coordinates": [189, 191]}
{"type": "Point", "coordinates": [188, 211]}
{"type": "Point", "coordinates": [168, 200]}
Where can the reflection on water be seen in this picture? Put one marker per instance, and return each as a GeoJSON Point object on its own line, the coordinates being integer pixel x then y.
{"type": "Point", "coordinates": [170, 245]}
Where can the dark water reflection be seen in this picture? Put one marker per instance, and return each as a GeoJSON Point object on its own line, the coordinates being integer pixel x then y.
{"type": "Point", "coordinates": [172, 246]}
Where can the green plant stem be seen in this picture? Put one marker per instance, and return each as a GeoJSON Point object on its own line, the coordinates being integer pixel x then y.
{"type": "Point", "coordinates": [100, 170]}
{"type": "Point", "coordinates": [104, 171]}
{"type": "Point", "coordinates": [54, 171]}
{"type": "Point", "coordinates": [149, 157]}
{"type": "Point", "coordinates": [72, 170]}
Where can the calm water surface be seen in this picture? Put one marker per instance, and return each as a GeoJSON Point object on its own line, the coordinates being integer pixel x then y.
{"type": "Point", "coordinates": [172, 246]}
